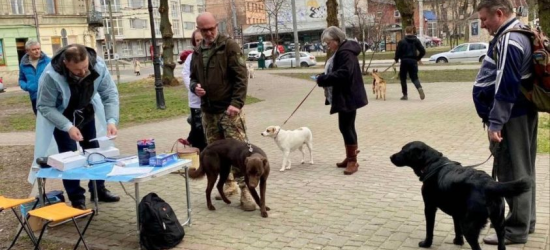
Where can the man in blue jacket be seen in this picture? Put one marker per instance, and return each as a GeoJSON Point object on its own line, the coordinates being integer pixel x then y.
{"type": "Point", "coordinates": [77, 99]}
{"type": "Point", "coordinates": [511, 119]}
{"type": "Point", "coordinates": [32, 65]}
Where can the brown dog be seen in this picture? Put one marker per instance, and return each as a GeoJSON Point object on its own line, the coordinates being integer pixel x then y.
{"type": "Point", "coordinates": [217, 159]}
{"type": "Point", "coordinates": [378, 85]}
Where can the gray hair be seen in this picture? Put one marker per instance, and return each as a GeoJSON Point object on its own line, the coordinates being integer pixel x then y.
{"type": "Point", "coordinates": [31, 43]}
{"type": "Point", "coordinates": [493, 5]}
{"type": "Point", "coordinates": [333, 33]}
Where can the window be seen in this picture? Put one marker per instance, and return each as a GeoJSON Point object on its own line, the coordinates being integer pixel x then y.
{"type": "Point", "coordinates": [136, 4]}
{"type": "Point", "coordinates": [461, 48]}
{"type": "Point", "coordinates": [17, 7]}
{"type": "Point", "coordinates": [156, 4]}
{"type": "Point", "coordinates": [126, 49]}
{"type": "Point", "coordinates": [186, 8]}
{"type": "Point", "coordinates": [51, 6]}
{"type": "Point", "coordinates": [137, 48]}
{"type": "Point", "coordinates": [157, 26]}
{"type": "Point", "coordinates": [477, 46]}
{"type": "Point", "coordinates": [474, 28]}
{"type": "Point", "coordinates": [379, 13]}
{"type": "Point", "coordinates": [176, 27]}
{"type": "Point", "coordinates": [200, 8]}
{"type": "Point", "coordinates": [189, 25]}
{"type": "Point", "coordinates": [115, 5]}
{"type": "Point", "coordinates": [396, 14]}
{"type": "Point", "coordinates": [174, 10]}
{"type": "Point", "coordinates": [136, 23]}
{"type": "Point", "coordinates": [2, 57]}
{"type": "Point", "coordinates": [117, 26]}
{"type": "Point", "coordinates": [432, 29]}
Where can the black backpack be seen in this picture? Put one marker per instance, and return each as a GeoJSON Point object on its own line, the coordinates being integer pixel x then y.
{"type": "Point", "coordinates": [159, 226]}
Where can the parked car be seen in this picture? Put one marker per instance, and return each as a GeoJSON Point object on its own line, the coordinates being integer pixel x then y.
{"type": "Point", "coordinates": [288, 60]}
{"type": "Point", "coordinates": [466, 52]}
{"type": "Point", "coordinates": [253, 46]}
{"type": "Point", "coordinates": [255, 55]}
{"type": "Point", "coordinates": [2, 89]}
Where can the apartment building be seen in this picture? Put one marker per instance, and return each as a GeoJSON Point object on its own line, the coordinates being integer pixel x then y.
{"type": "Point", "coordinates": [54, 23]}
{"type": "Point", "coordinates": [236, 13]}
{"type": "Point", "coordinates": [132, 27]}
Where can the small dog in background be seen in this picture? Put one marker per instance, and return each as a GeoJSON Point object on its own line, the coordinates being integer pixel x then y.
{"type": "Point", "coordinates": [250, 69]}
{"type": "Point", "coordinates": [290, 140]}
{"type": "Point", "coordinates": [378, 85]}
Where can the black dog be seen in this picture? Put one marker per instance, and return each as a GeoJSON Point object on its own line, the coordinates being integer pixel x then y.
{"type": "Point", "coordinates": [470, 196]}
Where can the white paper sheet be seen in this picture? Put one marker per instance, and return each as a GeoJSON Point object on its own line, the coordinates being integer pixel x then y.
{"type": "Point", "coordinates": [129, 170]}
{"type": "Point", "coordinates": [104, 138]}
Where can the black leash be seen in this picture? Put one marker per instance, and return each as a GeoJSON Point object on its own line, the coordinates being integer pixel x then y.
{"type": "Point", "coordinates": [479, 164]}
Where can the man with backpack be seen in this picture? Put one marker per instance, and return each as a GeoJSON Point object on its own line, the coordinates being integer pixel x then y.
{"type": "Point", "coordinates": [407, 52]}
{"type": "Point", "coordinates": [510, 117]}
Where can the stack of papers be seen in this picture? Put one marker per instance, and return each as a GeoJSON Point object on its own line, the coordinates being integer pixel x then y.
{"type": "Point", "coordinates": [129, 170]}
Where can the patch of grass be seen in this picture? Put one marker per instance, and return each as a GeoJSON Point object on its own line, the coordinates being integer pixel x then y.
{"type": "Point", "coordinates": [388, 55]}
{"type": "Point", "coordinates": [137, 106]}
{"type": "Point", "coordinates": [425, 76]}
{"type": "Point", "coordinates": [543, 136]}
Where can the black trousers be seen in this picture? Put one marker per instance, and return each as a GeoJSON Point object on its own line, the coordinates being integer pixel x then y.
{"type": "Point", "coordinates": [33, 103]}
{"type": "Point", "coordinates": [196, 135]}
{"type": "Point", "coordinates": [64, 144]}
{"type": "Point", "coordinates": [410, 67]}
{"type": "Point", "coordinates": [346, 123]}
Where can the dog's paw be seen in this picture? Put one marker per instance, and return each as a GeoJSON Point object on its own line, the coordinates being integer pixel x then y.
{"type": "Point", "coordinates": [264, 214]}
{"type": "Point", "coordinates": [267, 208]}
{"type": "Point", "coordinates": [425, 244]}
{"type": "Point", "coordinates": [458, 241]}
{"type": "Point", "coordinates": [282, 169]}
{"type": "Point", "coordinates": [288, 167]}
{"type": "Point", "coordinates": [211, 207]}
{"type": "Point", "coordinates": [302, 162]}
{"type": "Point", "coordinates": [227, 201]}
{"type": "Point", "coordinates": [311, 162]}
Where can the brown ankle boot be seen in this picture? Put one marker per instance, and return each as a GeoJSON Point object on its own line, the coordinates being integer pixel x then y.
{"type": "Point", "coordinates": [351, 152]}
{"type": "Point", "coordinates": [344, 163]}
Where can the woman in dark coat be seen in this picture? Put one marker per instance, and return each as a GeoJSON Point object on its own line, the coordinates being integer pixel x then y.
{"type": "Point", "coordinates": [344, 90]}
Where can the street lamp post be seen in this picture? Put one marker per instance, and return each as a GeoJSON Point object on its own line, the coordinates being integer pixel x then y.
{"type": "Point", "coordinates": [156, 61]}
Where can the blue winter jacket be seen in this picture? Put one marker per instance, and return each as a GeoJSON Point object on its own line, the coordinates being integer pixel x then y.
{"type": "Point", "coordinates": [28, 75]}
{"type": "Point", "coordinates": [496, 93]}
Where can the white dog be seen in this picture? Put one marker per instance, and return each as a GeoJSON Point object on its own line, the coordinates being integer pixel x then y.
{"type": "Point", "coordinates": [250, 69]}
{"type": "Point", "coordinates": [290, 140]}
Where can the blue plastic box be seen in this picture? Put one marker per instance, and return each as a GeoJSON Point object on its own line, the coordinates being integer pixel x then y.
{"type": "Point", "coordinates": [163, 160]}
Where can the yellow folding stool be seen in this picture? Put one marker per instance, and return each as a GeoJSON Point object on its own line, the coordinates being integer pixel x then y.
{"type": "Point", "coordinates": [60, 212]}
{"type": "Point", "coordinates": [7, 203]}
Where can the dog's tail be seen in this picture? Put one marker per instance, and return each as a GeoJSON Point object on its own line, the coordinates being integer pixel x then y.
{"type": "Point", "coordinates": [196, 173]}
{"type": "Point", "coordinates": [509, 189]}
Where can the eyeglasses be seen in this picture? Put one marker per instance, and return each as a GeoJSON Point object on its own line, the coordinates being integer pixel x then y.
{"type": "Point", "coordinates": [204, 30]}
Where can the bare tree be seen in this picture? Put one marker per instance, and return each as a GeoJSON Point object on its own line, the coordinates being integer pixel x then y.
{"type": "Point", "coordinates": [371, 26]}
{"type": "Point", "coordinates": [406, 9]}
{"type": "Point", "coordinates": [544, 16]}
{"type": "Point", "coordinates": [167, 46]}
{"type": "Point", "coordinates": [275, 10]}
{"type": "Point", "coordinates": [332, 18]}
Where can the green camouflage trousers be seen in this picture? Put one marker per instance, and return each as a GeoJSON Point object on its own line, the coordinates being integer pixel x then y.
{"type": "Point", "coordinates": [222, 126]}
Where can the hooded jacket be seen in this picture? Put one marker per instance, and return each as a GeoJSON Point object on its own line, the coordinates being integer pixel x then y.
{"type": "Point", "coordinates": [224, 77]}
{"type": "Point", "coordinates": [407, 48]}
{"type": "Point", "coordinates": [348, 89]}
{"type": "Point", "coordinates": [28, 75]}
{"type": "Point", "coordinates": [54, 95]}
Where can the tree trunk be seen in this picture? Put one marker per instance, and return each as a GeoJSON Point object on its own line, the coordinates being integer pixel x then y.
{"type": "Point", "coordinates": [332, 18]}
{"type": "Point", "coordinates": [544, 16]}
{"type": "Point", "coordinates": [406, 9]}
{"type": "Point", "coordinates": [167, 46]}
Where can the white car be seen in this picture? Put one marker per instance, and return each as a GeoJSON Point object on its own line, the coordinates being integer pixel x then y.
{"type": "Point", "coordinates": [255, 55]}
{"type": "Point", "coordinates": [466, 52]}
{"type": "Point", "coordinates": [287, 60]}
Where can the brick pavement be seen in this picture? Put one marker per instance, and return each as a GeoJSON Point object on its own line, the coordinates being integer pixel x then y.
{"type": "Point", "coordinates": [316, 206]}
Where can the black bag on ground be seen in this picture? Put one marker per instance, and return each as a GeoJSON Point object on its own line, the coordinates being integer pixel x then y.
{"type": "Point", "coordinates": [159, 226]}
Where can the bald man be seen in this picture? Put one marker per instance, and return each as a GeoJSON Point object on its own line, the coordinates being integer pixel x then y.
{"type": "Point", "coordinates": [219, 77]}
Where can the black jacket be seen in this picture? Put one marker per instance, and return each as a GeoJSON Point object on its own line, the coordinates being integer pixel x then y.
{"type": "Point", "coordinates": [407, 48]}
{"type": "Point", "coordinates": [348, 89]}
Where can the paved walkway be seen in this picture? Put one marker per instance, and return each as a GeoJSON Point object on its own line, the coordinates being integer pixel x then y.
{"type": "Point", "coordinates": [316, 206]}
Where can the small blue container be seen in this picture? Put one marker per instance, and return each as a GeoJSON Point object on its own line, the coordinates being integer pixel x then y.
{"type": "Point", "coordinates": [146, 150]}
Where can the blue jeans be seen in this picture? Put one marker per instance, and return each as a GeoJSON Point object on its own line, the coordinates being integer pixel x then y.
{"type": "Point", "coordinates": [64, 144]}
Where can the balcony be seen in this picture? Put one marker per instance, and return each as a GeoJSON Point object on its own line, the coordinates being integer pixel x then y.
{"type": "Point", "coordinates": [95, 19]}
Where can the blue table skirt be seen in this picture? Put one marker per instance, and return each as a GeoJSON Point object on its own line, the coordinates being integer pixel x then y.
{"type": "Point", "coordinates": [94, 172]}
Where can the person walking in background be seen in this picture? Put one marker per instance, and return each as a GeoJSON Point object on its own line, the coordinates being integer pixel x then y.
{"type": "Point", "coordinates": [219, 76]}
{"type": "Point", "coordinates": [137, 67]}
{"type": "Point", "coordinates": [510, 118]}
{"type": "Point", "coordinates": [344, 90]}
{"type": "Point", "coordinates": [196, 135]}
{"type": "Point", "coordinates": [410, 51]}
{"type": "Point", "coordinates": [31, 68]}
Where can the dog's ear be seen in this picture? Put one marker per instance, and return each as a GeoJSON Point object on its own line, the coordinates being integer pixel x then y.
{"type": "Point", "coordinates": [265, 162]}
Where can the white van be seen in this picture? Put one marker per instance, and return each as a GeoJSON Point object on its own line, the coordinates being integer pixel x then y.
{"type": "Point", "coordinates": [253, 46]}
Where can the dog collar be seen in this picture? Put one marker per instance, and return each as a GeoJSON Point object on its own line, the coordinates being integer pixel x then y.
{"type": "Point", "coordinates": [427, 175]}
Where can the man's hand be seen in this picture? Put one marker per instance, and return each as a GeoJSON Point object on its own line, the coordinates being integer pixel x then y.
{"type": "Point", "coordinates": [111, 130]}
{"type": "Point", "coordinates": [231, 111]}
{"type": "Point", "coordinates": [75, 134]}
{"type": "Point", "coordinates": [495, 136]}
{"type": "Point", "coordinates": [199, 91]}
